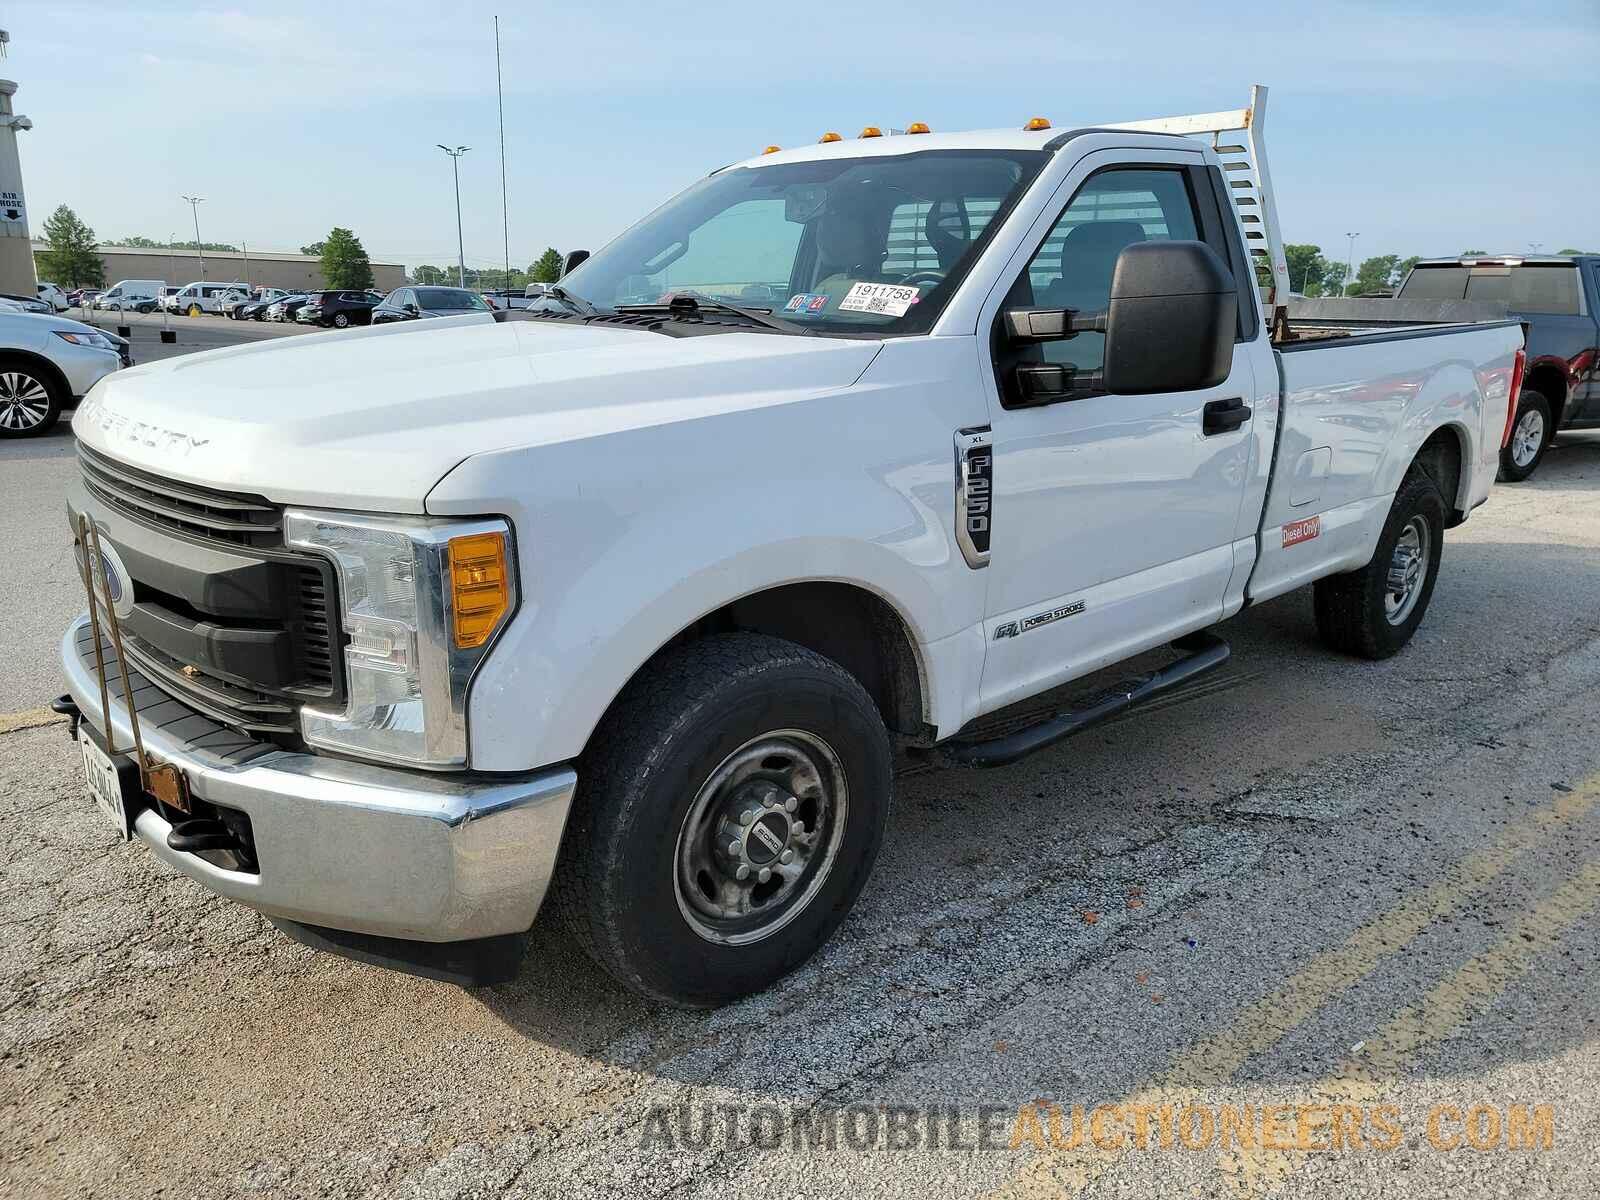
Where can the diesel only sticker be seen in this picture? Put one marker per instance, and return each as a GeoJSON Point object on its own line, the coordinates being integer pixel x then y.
{"type": "Point", "coordinates": [1296, 532]}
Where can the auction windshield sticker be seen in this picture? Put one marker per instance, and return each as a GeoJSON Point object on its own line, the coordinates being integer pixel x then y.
{"type": "Point", "coordinates": [891, 299]}
{"type": "Point", "coordinates": [803, 303]}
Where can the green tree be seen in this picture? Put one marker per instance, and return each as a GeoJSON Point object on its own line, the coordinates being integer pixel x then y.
{"type": "Point", "coordinates": [1570, 250]}
{"type": "Point", "coordinates": [1469, 253]}
{"type": "Point", "coordinates": [344, 260]}
{"type": "Point", "coordinates": [548, 267]}
{"type": "Point", "coordinates": [1306, 268]}
{"type": "Point", "coordinates": [1333, 279]}
{"type": "Point", "coordinates": [1375, 274]}
{"type": "Point", "coordinates": [140, 242]}
{"type": "Point", "coordinates": [71, 260]}
{"type": "Point", "coordinates": [426, 276]}
{"type": "Point", "coordinates": [1404, 269]}
{"type": "Point", "coordinates": [314, 250]}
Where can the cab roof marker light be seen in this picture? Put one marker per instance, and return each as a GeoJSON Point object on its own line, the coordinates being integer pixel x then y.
{"type": "Point", "coordinates": [1035, 124]}
{"type": "Point", "coordinates": [772, 149]}
{"type": "Point", "coordinates": [830, 136]}
{"type": "Point", "coordinates": [917, 127]}
{"type": "Point", "coordinates": [871, 131]}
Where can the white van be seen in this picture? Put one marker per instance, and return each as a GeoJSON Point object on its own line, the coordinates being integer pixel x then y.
{"type": "Point", "coordinates": [131, 295]}
{"type": "Point", "coordinates": [200, 298]}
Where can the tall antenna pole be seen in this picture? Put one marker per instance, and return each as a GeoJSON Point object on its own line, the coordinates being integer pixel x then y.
{"type": "Point", "coordinates": [505, 211]}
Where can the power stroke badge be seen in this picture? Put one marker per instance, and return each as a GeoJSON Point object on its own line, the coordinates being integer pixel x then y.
{"type": "Point", "coordinates": [1011, 629]}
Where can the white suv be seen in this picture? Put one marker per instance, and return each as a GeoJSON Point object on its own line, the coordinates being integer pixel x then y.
{"type": "Point", "coordinates": [46, 364]}
{"type": "Point", "coordinates": [54, 297]}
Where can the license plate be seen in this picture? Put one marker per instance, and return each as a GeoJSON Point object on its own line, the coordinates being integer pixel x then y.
{"type": "Point", "coordinates": [105, 786]}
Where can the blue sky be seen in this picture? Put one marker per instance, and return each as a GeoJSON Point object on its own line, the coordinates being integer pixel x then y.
{"type": "Point", "coordinates": [1426, 127]}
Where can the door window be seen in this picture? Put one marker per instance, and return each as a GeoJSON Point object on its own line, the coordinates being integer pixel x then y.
{"type": "Point", "coordinates": [1073, 267]}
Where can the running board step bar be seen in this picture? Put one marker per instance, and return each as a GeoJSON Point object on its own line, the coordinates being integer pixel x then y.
{"type": "Point", "coordinates": [1206, 652]}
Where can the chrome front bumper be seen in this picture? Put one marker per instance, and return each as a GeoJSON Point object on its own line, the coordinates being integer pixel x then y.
{"type": "Point", "coordinates": [348, 845]}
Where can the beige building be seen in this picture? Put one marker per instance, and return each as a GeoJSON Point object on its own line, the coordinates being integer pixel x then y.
{"type": "Point", "coordinates": [292, 272]}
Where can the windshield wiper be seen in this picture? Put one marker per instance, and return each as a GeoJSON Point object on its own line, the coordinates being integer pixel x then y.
{"type": "Point", "coordinates": [576, 303]}
{"type": "Point", "coordinates": [690, 305]}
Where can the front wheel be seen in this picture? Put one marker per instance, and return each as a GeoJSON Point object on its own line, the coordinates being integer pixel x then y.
{"type": "Point", "coordinates": [1374, 611]}
{"type": "Point", "coordinates": [1530, 437]}
{"type": "Point", "coordinates": [30, 401]}
{"type": "Point", "coordinates": [733, 803]}
{"type": "Point", "coordinates": [341, 320]}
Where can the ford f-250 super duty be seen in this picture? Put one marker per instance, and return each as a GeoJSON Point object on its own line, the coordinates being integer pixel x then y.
{"type": "Point", "coordinates": [626, 597]}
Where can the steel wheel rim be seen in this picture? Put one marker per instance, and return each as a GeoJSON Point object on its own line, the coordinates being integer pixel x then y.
{"type": "Point", "coordinates": [24, 402]}
{"type": "Point", "coordinates": [788, 783]}
{"type": "Point", "coordinates": [1527, 436]}
{"type": "Point", "coordinates": [1408, 569]}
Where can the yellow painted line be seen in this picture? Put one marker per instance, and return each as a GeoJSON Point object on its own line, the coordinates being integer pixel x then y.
{"type": "Point", "coordinates": [28, 719]}
{"type": "Point", "coordinates": [1260, 1025]}
{"type": "Point", "coordinates": [1362, 1080]}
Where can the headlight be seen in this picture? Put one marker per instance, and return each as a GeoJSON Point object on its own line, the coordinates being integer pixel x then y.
{"type": "Point", "coordinates": [93, 338]}
{"type": "Point", "coordinates": [421, 601]}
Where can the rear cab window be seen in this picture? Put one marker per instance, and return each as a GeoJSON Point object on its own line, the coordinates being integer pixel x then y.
{"type": "Point", "coordinates": [1525, 287]}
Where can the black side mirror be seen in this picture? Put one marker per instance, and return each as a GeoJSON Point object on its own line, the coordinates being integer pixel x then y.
{"type": "Point", "coordinates": [1169, 327]}
{"type": "Point", "coordinates": [1173, 317]}
{"type": "Point", "coordinates": [573, 260]}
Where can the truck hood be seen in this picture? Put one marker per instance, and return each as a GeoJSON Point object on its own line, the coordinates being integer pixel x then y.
{"type": "Point", "coordinates": [372, 418]}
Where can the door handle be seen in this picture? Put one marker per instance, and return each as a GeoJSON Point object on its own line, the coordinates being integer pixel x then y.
{"type": "Point", "coordinates": [1224, 416]}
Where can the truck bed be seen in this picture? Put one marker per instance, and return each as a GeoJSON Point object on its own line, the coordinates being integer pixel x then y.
{"type": "Point", "coordinates": [1353, 415]}
{"type": "Point", "coordinates": [1312, 320]}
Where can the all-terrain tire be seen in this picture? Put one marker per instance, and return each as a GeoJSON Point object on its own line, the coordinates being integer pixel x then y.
{"type": "Point", "coordinates": [1362, 612]}
{"type": "Point", "coordinates": [652, 763]}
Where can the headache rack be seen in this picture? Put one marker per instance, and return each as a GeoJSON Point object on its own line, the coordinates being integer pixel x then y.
{"type": "Point", "coordinates": [1239, 137]}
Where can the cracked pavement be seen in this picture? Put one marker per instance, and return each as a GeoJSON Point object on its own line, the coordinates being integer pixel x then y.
{"type": "Point", "coordinates": [1305, 880]}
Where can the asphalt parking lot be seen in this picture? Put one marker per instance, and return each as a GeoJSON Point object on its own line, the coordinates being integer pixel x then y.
{"type": "Point", "coordinates": [1307, 881]}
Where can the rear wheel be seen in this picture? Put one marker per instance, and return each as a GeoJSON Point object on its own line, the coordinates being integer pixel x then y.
{"type": "Point", "coordinates": [30, 400]}
{"type": "Point", "coordinates": [1530, 437]}
{"type": "Point", "coordinates": [341, 320]}
{"type": "Point", "coordinates": [732, 807]}
{"type": "Point", "coordinates": [1374, 611]}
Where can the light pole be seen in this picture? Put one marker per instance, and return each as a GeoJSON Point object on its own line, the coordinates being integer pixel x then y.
{"type": "Point", "coordinates": [1350, 262]}
{"type": "Point", "coordinates": [461, 252]}
{"type": "Point", "coordinates": [194, 207]}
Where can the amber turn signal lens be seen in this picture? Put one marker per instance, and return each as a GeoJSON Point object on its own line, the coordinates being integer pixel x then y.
{"type": "Point", "coordinates": [772, 149]}
{"type": "Point", "coordinates": [830, 136]}
{"type": "Point", "coordinates": [917, 127]}
{"type": "Point", "coordinates": [480, 587]}
{"type": "Point", "coordinates": [1036, 124]}
{"type": "Point", "coordinates": [872, 131]}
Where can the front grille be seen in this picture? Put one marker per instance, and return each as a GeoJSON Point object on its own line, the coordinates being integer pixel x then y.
{"type": "Point", "coordinates": [314, 628]}
{"type": "Point", "coordinates": [199, 512]}
{"type": "Point", "coordinates": [237, 707]}
{"type": "Point", "coordinates": [211, 579]}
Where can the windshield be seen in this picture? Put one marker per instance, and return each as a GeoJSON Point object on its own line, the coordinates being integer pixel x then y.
{"type": "Point", "coordinates": [450, 300]}
{"type": "Point", "coordinates": [847, 245]}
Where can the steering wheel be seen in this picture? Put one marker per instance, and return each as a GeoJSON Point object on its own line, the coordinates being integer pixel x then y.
{"type": "Point", "coordinates": [925, 276]}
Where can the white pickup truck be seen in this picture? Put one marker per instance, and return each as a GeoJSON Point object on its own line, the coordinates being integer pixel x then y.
{"type": "Point", "coordinates": [629, 597]}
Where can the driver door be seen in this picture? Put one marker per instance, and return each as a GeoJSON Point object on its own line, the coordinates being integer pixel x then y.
{"type": "Point", "coordinates": [1114, 515]}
